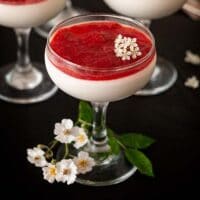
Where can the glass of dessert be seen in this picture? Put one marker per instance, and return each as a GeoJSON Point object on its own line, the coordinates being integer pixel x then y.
{"type": "Point", "coordinates": [26, 82]}
{"type": "Point", "coordinates": [165, 74]}
{"type": "Point", "coordinates": [67, 13]}
{"type": "Point", "coordinates": [101, 58]}
{"type": "Point", "coordinates": [192, 8]}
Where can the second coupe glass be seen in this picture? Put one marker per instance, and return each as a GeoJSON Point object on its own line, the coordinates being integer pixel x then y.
{"type": "Point", "coordinates": [26, 82]}
{"type": "Point", "coordinates": [165, 74]}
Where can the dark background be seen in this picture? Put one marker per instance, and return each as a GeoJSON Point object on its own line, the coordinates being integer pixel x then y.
{"type": "Point", "coordinates": [171, 118]}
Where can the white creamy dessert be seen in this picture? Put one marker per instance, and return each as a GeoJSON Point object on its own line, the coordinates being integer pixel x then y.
{"type": "Point", "coordinates": [100, 90]}
{"type": "Point", "coordinates": [145, 9]}
{"type": "Point", "coordinates": [29, 15]}
{"type": "Point", "coordinates": [100, 60]}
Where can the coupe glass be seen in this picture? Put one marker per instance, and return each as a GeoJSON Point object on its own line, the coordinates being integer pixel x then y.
{"type": "Point", "coordinates": [26, 82]}
{"type": "Point", "coordinates": [67, 13]}
{"type": "Point", "coordinates": [165, 74]}
{"type": "Point", "coordinates": [115, 168]}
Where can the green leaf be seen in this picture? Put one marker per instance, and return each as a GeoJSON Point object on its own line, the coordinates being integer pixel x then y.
{"type": "Point", "coordinates": [85, 112]}
{"type": "Point", "coordinates": [139, 159]}
{"type": "Point", "coordinates": [114, 145]}
{"type": "Point", "coordinates": [110, 132]}
{"type": "Point", "coordinates": [113, 142]}
{"type": "Point", "coordinates": [136, 141]}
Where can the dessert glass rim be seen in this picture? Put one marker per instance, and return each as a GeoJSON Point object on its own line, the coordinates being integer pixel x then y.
{"type": "Point", "coordinates": [101, 16]}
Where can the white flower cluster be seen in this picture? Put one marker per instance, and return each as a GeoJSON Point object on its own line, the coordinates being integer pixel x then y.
{"type": "Point", "coordinates": [192, 82]}
{"type": "Point", "coordinates": [192, 58]}
{"type": "Point", "coordinates": [65, 170]}
{"type": "Point", "coordinates": [126, 48]}
{"type": "Point", "coordinates": [67, 133]}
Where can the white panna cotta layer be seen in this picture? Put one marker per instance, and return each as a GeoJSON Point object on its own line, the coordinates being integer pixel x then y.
{"type": "Point", "coordinates": [29, 15]}
{"type": "Point", "coordinates": [145, 9]}
{"type": "Point", "coordinates": [97, 90]}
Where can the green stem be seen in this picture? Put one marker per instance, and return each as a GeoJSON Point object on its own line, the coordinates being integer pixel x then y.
{"type": "Point", "coordinates": [53, 144]}
{"type": "Point", "coordinates": [122, 145]}
{"type": "Point", "coordinates": [66, 151]}
{"type": "Point", "coordinates": [53, 161]}
{"type": "Point", "coordinates": [71, 156]}
{"type": "Point", "coordinates": [84, 122]}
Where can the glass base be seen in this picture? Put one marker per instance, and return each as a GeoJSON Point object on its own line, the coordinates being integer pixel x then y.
{"type": "Point", "coordinates": [109, 169]}
{"type": "Point", "coordinates": [44, 29]}
{"type": "Point", "coordinates": [30, 86]}
{"type": "Point", "coordinates": [113, 170]}
{"type": "Point", "coordinates": [163, 78]}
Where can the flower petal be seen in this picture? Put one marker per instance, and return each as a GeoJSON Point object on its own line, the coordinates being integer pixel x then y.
{"type": "Point", "coordinates": [67, 123]}
{"type": "Point", "coordinates": [59, 128]}
{"type": "Point", "coordinates": [83, 154]}
{"type": "Point", "coordinates": [75, 131]}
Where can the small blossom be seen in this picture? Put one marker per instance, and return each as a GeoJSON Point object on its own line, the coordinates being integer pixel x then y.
{"type": "Point", "coordinates": [49, 172]}
{"type": "Point", "coordinates": [36, 157]}
{"type": "Point", "coordinates": [66, 171]}
{"type": "Point", "coordinates": [192, 82]}
{"type": "Point", "coordinates": [63, 131]}
{"type": "Point", "coordinates": [84, 162]}
{"type": "Point", "coordinates": [126, 48]}
{"type": "Point", "coordinates": [192, 58]}
{"type": "Point", "coordinates": [81, 137]}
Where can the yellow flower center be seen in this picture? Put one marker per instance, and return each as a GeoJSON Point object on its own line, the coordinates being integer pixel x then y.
{"type": "Point", "coordinates": [52, 171]}
{"type": "Point", "coordinates": [81, 138]}
{"type": "Point", "coordinates": [37, 158]}
{"type": "Point", "coordinates": [66, 171]}
{"type": "Point", "coordinates": [83, 163]}
{"type": "Point", "coordinates": [66, 132]}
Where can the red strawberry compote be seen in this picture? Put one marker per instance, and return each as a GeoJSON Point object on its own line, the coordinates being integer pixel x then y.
{"type": "Point", "coordinates": [28, 13]}
{"type": "Point", "coordinates": [80, 59]}
{"type": "Point", "coordinates": [20, 2]}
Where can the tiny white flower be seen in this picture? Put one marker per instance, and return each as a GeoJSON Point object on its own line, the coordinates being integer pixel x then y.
{"type": "Point", "coordinates": [66, 171]}
{"type": "Point", "coordinates": [134, 40]}
{"type": "Point", "coordinates": [192, 58]}
{"type": "Point", "coordinates": [81, 137]}
{"type": "Point", "coordinates": [192, 82]}
{"type": "Point", "coordinates": [84, 162]}
{"type": "Point", "coordinates": [63, 131]}
{"type": "Point", "coordinates": [36, 157]}
{"type": "Point", "coordinates": [118, 39]}
{"type": "Point", "coordinates": [49, 172]}
{"type": "Point", "coordinates": [138, 53]}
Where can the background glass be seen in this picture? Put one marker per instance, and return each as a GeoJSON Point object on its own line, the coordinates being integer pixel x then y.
{"type": "Point", "coordinates": [26, 82]}
{"type": "Point", "coordinates": [165, 74]}
{"type": "Point", "coordinates": [67, 13]}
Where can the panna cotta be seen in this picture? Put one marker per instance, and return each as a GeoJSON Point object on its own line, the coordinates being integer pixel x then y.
{"type": "Point", "coordinates": [81, 61]}
{"type": "Point", "coordinates": [28, 13]}
{"type": "Point", "coordinates": [145, 9]}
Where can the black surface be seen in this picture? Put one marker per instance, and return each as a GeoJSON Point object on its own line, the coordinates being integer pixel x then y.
{"type": "Point", "coordinates": [171, 118]}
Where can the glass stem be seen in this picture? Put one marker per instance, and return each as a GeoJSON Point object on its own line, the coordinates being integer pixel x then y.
{"type": "Point", "coordinates": [69, 4]}
{"type": "Point", "coordinates": [99, 132]}
{"type": "Point", "coordinates": [23, 59]}
{"type": "Point", "coordinates": [146, 22]}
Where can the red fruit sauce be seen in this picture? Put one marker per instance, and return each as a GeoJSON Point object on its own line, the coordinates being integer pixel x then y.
{"type": "Point", "coordinates": [91, 45]}
{"type": "Point", "coordinates": [20, 2]}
